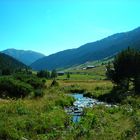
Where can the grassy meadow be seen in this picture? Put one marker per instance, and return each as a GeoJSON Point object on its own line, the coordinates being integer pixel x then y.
{"type": "Point", "coordinates": [44, 118]}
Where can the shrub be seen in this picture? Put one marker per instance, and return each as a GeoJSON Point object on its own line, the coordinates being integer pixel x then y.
{"type": "Point", "coordinates": [6, 71]}
{"type": "Point", "coordinates": [125, 69]}
{"type": "Point", "coordinates": [43, 74]}
{"type": "Point", "coordinates": [53, 74]}
{"type": "Point", "coordinates": [10, 87]}
{"type": "Point", "coordinates": [54, 83]}
{"type": "Point", "coordinates": [38, 93]}
{"type": "Point", "coordinates": [35, 83]}
{"type": "Point", "coordinates": [33, 80]}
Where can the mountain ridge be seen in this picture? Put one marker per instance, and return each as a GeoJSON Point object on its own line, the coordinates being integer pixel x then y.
{"type": "Point", "coordinates": [9, 62]}
{"type": "Point", "coordinates": [92, 51]}
{"type": "Point", "coordinates": [25, 56]}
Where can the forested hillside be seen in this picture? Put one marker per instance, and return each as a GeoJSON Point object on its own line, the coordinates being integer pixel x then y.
{"type": "Point", "coordinates": [7, 62]}
{"type": "Point", "coordinates": [26, 57]}
{"type": "Point", "coordinates": [91, 51]}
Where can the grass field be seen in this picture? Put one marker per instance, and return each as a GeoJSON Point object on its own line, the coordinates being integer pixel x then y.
{"type": "Point", "coordinates": [97, 73]}
{"type": "Point", "coordinates": [44, 118]}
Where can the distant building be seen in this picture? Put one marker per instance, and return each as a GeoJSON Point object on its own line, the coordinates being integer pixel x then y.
{"type": "Point", "coordinates": [60, 73]}
{"type": "Point", "coordinates": [90, 67]}
{"type": "Point", "coordinates": [84, 68]}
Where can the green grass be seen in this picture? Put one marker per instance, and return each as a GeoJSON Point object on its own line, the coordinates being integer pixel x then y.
{"type": "Point", "coordinates": [35, 117]}
{"type": "Point", "coordinates": [44, 118]}
{"type": "Point", "coordinates": [97, 73]}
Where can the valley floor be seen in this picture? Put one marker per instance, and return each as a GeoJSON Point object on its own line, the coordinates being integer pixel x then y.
{"type": "Point", "coordinates": [44, 118]}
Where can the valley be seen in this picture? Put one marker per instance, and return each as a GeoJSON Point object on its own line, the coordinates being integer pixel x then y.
{"type": "Point", "coordinates": [69, 70]}
{"type": "Point", "coordinates": [44, 117]}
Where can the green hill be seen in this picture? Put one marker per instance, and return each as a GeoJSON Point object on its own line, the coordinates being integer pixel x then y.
{"type": "Point", "coordinates": [9, 62]}
{"type": "Point", "coordinates": [26, 57]}
{"type": "Point", "coordinates": [90, 52]}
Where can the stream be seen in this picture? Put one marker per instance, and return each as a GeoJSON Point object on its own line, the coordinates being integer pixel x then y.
{"type": "Point", "coordinates": [80, 103]}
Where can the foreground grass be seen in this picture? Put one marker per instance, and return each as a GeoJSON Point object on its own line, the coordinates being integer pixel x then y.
{"type": "Point", "coordinates": [44, 118]}
{"type": "Point", "coordinates": [33, 118]}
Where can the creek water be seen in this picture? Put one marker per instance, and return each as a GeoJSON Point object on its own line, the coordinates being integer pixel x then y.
{"type": "Point", "coordinates": [80, 103]}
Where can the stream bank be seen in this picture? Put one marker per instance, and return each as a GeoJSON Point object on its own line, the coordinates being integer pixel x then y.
{"type": "Point", "coordinates": [81, 102]}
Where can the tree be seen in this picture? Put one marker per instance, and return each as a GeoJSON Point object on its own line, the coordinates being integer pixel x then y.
{"type": "Point", "coordinates": [43, 74]}
{"type": "Point", "coordinates": [0, 72]}
{"type": "Point", "coordinates": [125, 69]}
{"type": "Point", "coordinates": [68, 75]}
{"type": "Point", "coordinates": [9, 87]}
{"type": "Point", "coordinates": [6, 71]}
{"type": "Point", "coordinates": [53, 74]}
{"type": "Point", "coordinates": [54, 83]}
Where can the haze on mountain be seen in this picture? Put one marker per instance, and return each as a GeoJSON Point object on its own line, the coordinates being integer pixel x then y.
{"type": "Point", "coordinates": [26, 57]}
{"type": "Point", "coordinates": [90, 52]}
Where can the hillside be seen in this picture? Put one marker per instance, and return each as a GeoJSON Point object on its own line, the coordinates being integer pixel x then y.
{"type": "Point", "coordinates": [26, 57]}
{"type": "Point", "coordinates": [90, 52]}
{"type": "Point", "coordinates": [9, 62]}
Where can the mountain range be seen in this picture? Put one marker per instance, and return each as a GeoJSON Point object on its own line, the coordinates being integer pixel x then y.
{"type": "Point", "coordinates": [26, 57]}
{"type": "Point", "coordinates": [98, 50]}
{"type": "Point", "coordinates": [7, 61]}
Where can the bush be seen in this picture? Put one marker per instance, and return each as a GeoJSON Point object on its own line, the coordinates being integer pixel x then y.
{"type": "Point", "coordinates": [6, 71]}
{"type": "Point", "coordinates": [54, 83]}
{"type": "Point", "coordinates": [33, 80]}
{"type": "Point", "coordinates": [35, 83]}
{"type": "Point", "coordinates": [43, 74]}
{"type": "Point", "coordinates": [38, 93]}
{"type": "Point", "coordinates": [125, 69]}
{"type": "Point", "coordinates": [10, 87]}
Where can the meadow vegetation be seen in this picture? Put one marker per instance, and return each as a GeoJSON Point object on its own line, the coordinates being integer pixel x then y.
{"type": "Point", "coordinates": [32, 107]}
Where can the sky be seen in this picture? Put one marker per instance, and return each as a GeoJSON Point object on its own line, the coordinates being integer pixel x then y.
{"type": "Point", "coordinates": [49, 26]}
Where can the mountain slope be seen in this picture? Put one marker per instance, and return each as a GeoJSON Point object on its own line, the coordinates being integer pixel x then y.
{"type": "Point", "coordinates": [26, 57]}
{"type": "Point", "coordinates": [7, 61]}
{"type": "Point", "coordinates": [90, 52]}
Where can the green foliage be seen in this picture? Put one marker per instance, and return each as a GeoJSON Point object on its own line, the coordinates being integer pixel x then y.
{"type": "Point", "coordinates": [54, 83]}
{"type": "Point", "coordinates": [21, 84]}
{"type": "Point", "coordinates": [27, 57]}
{"type": "Point", "coordinates": [116, 95]}
{"type": "Point", "coordinates": [6, 71]}
{"type": "Point", "coordinates": [38, 93]}
{"type": "Point", "coordinates": [9, 64]}
{"type": "Point", "coordinates": [64, 101]}
{"type": "Point", "coordinates": [35, 83]}
{"type": "Point", "coordinates": [10, 87]}
{"type": "Point", "coordinates": [90, 52]}
{"type": "Point", "coordinates": [43, 74]}
{"type": "Point", "coordinates": [137, 83]}
{"type": "Point", "coordinates": [125, 69]}
{"type": "Point", "coordinates": [44, 118]}
{"type": "Point", "coordinates": [35, 119]}
{"type": "Point", "coordinates": [68, 75]}
{"type": "Point", "coordinates": [31, 79]}
{"type": "Point", "coordinates": [73, 89]}
{"type": "Point", "coordinates": [53, 74]}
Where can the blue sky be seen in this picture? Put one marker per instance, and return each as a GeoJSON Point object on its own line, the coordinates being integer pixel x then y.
{"type": "Point", "coordinates": [49, 26]}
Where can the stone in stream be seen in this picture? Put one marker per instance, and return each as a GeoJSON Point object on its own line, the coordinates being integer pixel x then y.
{"type": "Point", "coordinates": [82, 102]}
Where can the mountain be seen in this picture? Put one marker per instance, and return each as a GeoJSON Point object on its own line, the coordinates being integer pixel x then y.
{"type": "Point", "coordinates": [26, 57]}
{"type": "Point", "coordinates": [90, 52]}
{"type": "Point", "coordinates": [7, 61]}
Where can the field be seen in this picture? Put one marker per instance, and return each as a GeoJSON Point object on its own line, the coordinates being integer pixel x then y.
{"type": "Point", "coordinates": [44, 118]}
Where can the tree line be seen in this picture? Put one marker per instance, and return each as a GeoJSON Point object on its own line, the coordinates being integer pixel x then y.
{"type": "Point", "coordinates": [124, 71]}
